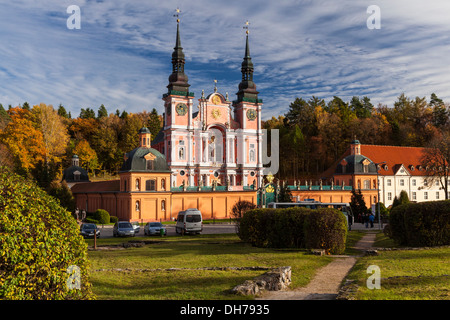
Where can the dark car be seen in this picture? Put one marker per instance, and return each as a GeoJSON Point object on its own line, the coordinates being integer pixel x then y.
{"type": "Point", "coordinates": [154, 228]}
{"type": "Point", "coordinates": [123, 229]}
{"type": "Point", "coordinates": [87, 230]}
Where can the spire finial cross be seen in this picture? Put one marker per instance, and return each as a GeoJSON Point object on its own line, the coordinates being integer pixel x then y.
{"type": "Point", "coordinates": [177, 15]}
{"type": "Point", "coordinates": [246, 27]}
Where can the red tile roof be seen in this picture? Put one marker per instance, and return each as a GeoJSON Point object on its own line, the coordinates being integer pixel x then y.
{"type": "Point", "coordinates": [394, 156]}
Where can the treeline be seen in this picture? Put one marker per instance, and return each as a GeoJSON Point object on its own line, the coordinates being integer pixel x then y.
{"type": "Point", "coordinates": [315, 133]}
{"type": "Point", "coordinates": [38, 142]}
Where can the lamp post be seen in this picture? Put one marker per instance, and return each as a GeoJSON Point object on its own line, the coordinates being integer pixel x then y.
{"type": "Point", "coordinates": [378, 190]}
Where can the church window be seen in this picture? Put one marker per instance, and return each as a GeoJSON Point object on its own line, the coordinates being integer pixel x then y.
{"type": "Point", "coordinates": [150, 185]}
{"type": "Point", "coordinates": [252, 155]}
{"type": "Point", "coordinates": [149, 164]}
{"type": "Point", "coordinates": [76, 175]}
{"type": "Point", "coordinates": [366, 184]}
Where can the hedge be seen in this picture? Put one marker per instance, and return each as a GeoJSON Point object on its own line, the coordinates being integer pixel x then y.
{"type": "Point", "coordinates": [40, 244]}
{"type": "Point", "coordinates": [102, 216]}
{"type": "Point", "coordinates": [421, 224]}
{"type": "Point", "coordinates": [295, 228]}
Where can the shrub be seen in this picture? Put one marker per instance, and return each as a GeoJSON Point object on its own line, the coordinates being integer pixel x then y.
{"type": "Point", "coordinates": [421, 224]}
{"type": "Point", "coordinates": [295, 228]}
{"type": "Point", "coordinates": [113, 219]}
{"type": "Point", "coordinates": [326, 228]}
{"type": "Point", "coordinates": [239, 209]}
{"type": "Point", "coordinates": [102, 216]}
{"type": "Point", "coordinates": [91, 220]}
{"type": "Point", "coordinates": [39, 242]}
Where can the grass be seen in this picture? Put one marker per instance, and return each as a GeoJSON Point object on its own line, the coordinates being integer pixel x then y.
{"type": "Point", "coordinates": [190, 252]}
{"type": "Point", "coordinates": [405, 274]}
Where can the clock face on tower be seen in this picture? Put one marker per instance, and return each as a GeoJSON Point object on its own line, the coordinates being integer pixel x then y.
{"type": "Point", "coordinates": [181, 109]}
{"type": "Point", "coordinates": [251, 114]}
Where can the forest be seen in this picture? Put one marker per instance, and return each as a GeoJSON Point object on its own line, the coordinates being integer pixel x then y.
{"type": "Point", "coordinates": [38, 142]}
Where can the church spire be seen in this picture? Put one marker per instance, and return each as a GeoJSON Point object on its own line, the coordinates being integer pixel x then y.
{"type": "Point", "coordinates": [247, 88]}
{"type": "Point", "coordinates": [178, 80]}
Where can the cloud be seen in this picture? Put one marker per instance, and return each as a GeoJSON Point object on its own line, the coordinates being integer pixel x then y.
{"type": "Point", "coordinates": [121, 55]}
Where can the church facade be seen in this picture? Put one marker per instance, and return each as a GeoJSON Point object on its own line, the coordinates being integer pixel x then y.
{"type": "Point", "coordinates": [212, 141]}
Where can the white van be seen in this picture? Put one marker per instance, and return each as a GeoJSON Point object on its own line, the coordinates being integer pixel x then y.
{"type": "Point", "coordinates": [189, 221]}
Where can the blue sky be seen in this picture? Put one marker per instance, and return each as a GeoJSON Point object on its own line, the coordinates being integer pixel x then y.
{"type": "Point", "coordinates": [121, 56]}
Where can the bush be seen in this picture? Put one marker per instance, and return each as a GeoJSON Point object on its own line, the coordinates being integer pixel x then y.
{"type": "Point", "coordinates": [102, 216]}
{"type": "Point", "coordinates": [421, 224]}
{"type": "Point", "coordinates": [238, 210]}
{"type": "Point", "coordinates": [295, 228]}
{"type": "Point", "coordinates": [326, 228]}
{"type": "Point", "coordinates": [39, 242]}
{"type": "Point", "coordinates": [113, 219]}
{"type": "Point", "coordinates": [91, 220]}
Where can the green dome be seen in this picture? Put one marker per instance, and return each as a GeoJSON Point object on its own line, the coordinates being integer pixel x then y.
{"type": "Point", "coordinates": [355, 165]}
{"type": "Point", "coordinates": [136, 161]}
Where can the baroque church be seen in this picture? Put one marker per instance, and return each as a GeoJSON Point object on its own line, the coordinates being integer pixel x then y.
{"type": "Point", "coordinates": [213, 141]}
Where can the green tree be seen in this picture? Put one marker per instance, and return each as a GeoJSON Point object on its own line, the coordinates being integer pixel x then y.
{"type": "Point", "coordinates": [62, 112]}
{"type": "Point", "coordinates": [40, 244]}
{"type": "Point", "coordinates": [87, 113]}
{"type": "Point", "coordinates": [102, 112]}
{"type": "Point", "coordinates": [154, 123]}
{"type": "Point", "coordinates": [357, 203]}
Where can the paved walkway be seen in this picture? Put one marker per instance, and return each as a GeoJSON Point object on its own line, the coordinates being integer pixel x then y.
{"type": "Point", "coordinates": [326, 283]}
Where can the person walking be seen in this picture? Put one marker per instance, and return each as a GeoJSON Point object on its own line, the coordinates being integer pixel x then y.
{"type": "Point", "coordinates": [371, 219]}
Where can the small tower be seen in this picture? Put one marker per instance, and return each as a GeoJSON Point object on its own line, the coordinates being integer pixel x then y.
{"type": "Point", "coordinates": [355, 148]}
{"type": "Point", "coordinates": [145, 138]}
{"type": "Point", "coordinates": [75, 161]}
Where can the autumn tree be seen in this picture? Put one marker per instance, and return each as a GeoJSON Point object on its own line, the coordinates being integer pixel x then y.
{"type": "Point", "coordinates": [24, 140]}
{"type": "Point", "coordinates": [88, 156]}
{"type": "Point", "coordinates": [436, 159]}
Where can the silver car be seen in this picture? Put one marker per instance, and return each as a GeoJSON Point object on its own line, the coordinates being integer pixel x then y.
{"type": "Point", "coordinates": [154, 228]}
{"type": "Point", "coordinates": [123, 229]}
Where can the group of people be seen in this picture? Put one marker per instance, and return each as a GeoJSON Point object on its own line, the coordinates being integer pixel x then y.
{"type": "Point", "coordinates": [367, 218]}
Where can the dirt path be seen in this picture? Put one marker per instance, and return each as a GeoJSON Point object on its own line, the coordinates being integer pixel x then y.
{"type": "Point", "coordinates": [325, 284]}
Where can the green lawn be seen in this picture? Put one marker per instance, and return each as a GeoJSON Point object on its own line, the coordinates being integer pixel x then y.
{"type": "Point", "coordinates": [189, 252]}
{"type": "Point", "coordinates": [405, 274]}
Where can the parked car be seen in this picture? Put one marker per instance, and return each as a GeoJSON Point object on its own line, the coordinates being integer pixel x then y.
{"type": "Point", "coordinates": [136, 227]}
{"type": "Point", "coordinates": [154, 228]}
{"type": "Point", "coordinates": [189, 221]}
{"type": "Point", "coordinates": [123, 229]}
{"type": "Point", "coordinates": [87, 230]}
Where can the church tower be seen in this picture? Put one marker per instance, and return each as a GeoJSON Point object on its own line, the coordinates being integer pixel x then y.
{"type": "Point", "coordinates": [178, 104]}
{"type": "Point", "coordinates": [247, 112]}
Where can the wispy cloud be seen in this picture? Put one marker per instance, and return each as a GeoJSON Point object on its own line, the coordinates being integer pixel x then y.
{"type": "Point", "coordinates": [121, 55]}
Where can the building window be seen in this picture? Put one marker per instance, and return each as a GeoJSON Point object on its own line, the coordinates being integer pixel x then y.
{"type": "Point", "coordinates": [425, 182]}
{"type": "Point", "coordinates": [437, 195]}
{"type": "Point", "coordinates": [402, 182]}
{"type": "Point", "coordinates": [150, 185]}
{"type": "Point", "coordinates": [436, 183]}
{"type": "Point", "coordinates": [389, 196]}
{"type": "Point", "coordinates": [150, 164]}
{"type": "Point", "coordinates": [366, 168]}
{"type": "Point", "coordinates": [76, 175]}
{"type": "Point", "coordinates": [414, 196]}
{"type": "Point", "coordinates": [413, 182]}
{"type": "Point", "coordinates": [252, 155]}
{"type": "Point", "coordinates": [425, 195]}
{"type": "Point", "coordinates": [366, 184]}
{"type": "Point", "coordinates": [388, 182]}
{"type": "Point", "coordinates": [125, 185]}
